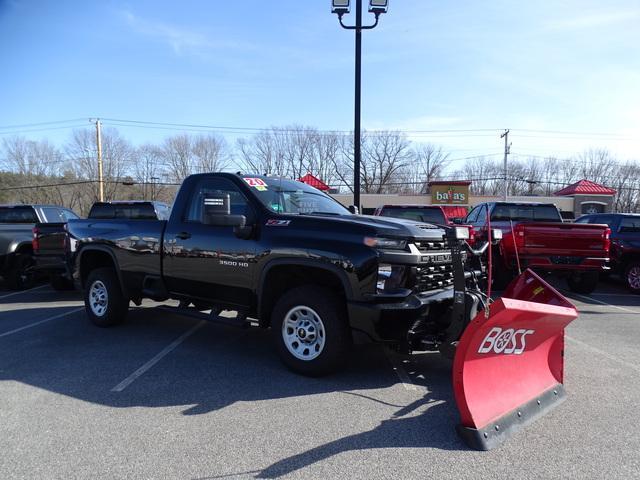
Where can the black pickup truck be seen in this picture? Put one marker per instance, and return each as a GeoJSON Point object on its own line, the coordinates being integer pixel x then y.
{"type": "Point", "coordinates": [284, 255]}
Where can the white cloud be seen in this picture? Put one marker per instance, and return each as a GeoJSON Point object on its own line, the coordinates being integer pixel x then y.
{"type": "Point", "coordinates": [181, 40]}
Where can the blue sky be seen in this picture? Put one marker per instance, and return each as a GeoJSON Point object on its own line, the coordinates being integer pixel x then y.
{"type": "Point", "coordinates": [430, 65]}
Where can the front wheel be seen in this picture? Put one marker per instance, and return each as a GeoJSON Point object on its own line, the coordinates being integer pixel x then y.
{"type": "Point", "coordinates": [585, 282]}
{"type": "Point", "coordinates": [103, 299]}
{"type": "Point", "coordinates": [632, 277]}
{"type": "Point", "coordinates": [311, 331]}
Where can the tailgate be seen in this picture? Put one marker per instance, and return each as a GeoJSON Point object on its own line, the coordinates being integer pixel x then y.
{"type": "Point", "coordinates": [51, 238]}
{"type": "Point", "coordinates": [565, 239]}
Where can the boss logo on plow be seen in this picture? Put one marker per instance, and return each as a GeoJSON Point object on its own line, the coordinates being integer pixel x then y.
{"type": "Point", "coordinates": [508, 341]}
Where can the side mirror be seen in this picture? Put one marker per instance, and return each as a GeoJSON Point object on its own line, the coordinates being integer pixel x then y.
{"type": "Point", "coordinates": [216, 210]}
{"type": "Point", "coordinates": [353, 209]}
{"type": "Point", "coordinates": [458, 221]}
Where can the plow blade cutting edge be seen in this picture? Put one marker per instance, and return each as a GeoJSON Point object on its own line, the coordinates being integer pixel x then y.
{"type": "Point", "coordinates": [508, 368]}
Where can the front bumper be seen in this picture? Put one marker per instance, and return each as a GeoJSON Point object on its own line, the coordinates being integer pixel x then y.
{"type": "Point", "coordinates": [563, 263]}
{"type": "Point", "coordinates": [389, 321]}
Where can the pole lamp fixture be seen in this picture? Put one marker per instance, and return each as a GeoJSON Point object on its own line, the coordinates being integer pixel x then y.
{"type": "Point", "coordinates": [341, 8]}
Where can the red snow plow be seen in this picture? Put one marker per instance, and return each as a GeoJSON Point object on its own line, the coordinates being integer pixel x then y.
{"type": "Point", "coordinates": [508, 366]}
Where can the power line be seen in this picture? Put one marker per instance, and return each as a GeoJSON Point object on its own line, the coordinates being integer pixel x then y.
{"type": "Point", "coordinates": [19, 132]}
{"type": "Point", "coordinates": [29, 125]}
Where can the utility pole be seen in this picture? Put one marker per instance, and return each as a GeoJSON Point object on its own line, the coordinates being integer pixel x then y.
{"type": "Point", "coordinates": [99, 150]}
{"type": "Point", "coordinates": [507, 148]}
{"type": "Point", "coordinates": [358, 102]}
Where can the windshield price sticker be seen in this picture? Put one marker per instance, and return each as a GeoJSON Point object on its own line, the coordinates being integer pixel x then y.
{"type": "Point", "coordinates": [256, 183]}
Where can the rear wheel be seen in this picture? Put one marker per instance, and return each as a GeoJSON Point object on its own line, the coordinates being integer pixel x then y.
{"type": "Point", "coordinates": [103, 299]}
{"type": "Point", "coordinates": [20, 275]}
{"type": "Point", "coordinates": [585, 282]}
{"type": "Point", "coordinates": [632, 277]}
{"type": "Point", "coordinates": [311, 331]}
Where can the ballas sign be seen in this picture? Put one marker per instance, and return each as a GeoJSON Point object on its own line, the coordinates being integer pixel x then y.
{"type": "Point", "coordinates": [449, 193]}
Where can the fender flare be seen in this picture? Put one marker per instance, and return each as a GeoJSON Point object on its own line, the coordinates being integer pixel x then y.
{"type": "Point", "coordinates": [12, 250]}
{"type": "Point", "coordinates": [301, 262]}
{"type": "Point", "coordinates": [102, 249]}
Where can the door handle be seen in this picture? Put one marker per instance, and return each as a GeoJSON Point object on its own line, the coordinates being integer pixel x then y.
{"type": "Point", "coordinates": [183, 235]}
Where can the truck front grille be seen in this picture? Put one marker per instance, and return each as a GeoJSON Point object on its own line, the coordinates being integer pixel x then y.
{"type": "Point", "coordinates": [433, 277]}
{"type": "Point", "coordinates": [431, 245]}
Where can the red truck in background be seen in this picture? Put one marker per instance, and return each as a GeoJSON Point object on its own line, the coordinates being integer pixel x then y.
{"type": "Point", "coordinates": [534, 236]}
{"type": "Point", "coordinates": [434, 214]}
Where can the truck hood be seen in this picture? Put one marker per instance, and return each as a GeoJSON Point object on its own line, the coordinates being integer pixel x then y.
{"type": "Point", "coordinates": [379, 226]}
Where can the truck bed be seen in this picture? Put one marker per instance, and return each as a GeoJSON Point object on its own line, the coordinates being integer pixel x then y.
{"type": "Point", "coordinates": [136, 245]}
{"type": "Point", "coordinates": [558, 245]}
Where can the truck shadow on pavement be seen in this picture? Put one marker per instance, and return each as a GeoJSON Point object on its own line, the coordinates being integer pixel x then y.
{"type": "Point", "coordinates": [219, 367]}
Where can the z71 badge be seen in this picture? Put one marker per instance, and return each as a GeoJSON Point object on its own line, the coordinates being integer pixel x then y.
{"type": "Point", "coordinates": [272, 222]}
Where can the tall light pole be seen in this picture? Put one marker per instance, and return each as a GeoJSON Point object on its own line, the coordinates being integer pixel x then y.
{"type": "Point", "coordinates": [340, 8]}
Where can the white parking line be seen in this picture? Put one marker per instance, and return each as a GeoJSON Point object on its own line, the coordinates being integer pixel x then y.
{"type": "Point", "coordinates": [602, 303]}
{"type": "Point", "coordinates": [603, 353]}
{"type": "Point", "coordinates": [168, 349]}
{"type": "Point", "coordinates": [23, 291]}
{"type": "Point", "coordinates": [35, 324]}
{"type": "Point", "coordinates": [402, 374]}
{"type": "Point", "coordinates": [631, 295]}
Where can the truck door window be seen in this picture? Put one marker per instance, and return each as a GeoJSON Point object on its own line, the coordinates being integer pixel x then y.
{"type": "Point", "coordinates": [473, 216]}
{"type": "Point", "coordinates": [216, 186]}
{"type": "Point", "coordinates": [630, 225]}
{"type": "Point", "coordinates": [57, 215]}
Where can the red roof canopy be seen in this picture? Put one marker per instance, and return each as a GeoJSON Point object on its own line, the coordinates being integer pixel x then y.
{"type": "Point", "coordinates": [454, 211]}
{"type": "Point", "coordinates": [314, 182]}
{"type": "Point", "coordinates": [585, 187]}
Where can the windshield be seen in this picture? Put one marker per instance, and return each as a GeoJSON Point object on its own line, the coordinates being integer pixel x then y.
{"type": "Point", "coordinates": [288, 196]}
{"type": "Point", "coordinates": [539, 213]}
{"type": "Point", "coordinates": [427, 215]}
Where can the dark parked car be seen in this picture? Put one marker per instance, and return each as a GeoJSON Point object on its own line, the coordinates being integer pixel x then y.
{"type": "Point", "coordinates": [130, 209]}
{"type": "Point", "coordinates": [625, 244]}
{"type": "Point", "coordinates": [16, 252]}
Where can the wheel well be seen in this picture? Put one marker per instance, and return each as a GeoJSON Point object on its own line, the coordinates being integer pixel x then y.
{"type": "Point", "coordinates": [94, 259]}
{"type": "Point", "coordinates": [281, 278]}
{"type": "Point", "coordinates": [25, 248]}
{"type": "Point", "coordinates": [627, 259]}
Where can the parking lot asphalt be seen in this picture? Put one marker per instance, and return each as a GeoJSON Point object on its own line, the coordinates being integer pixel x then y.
{"type": "Point", "coordinates": [165, 396]}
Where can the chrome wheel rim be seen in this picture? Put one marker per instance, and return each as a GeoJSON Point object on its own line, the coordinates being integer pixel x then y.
{"type": "Point", "coordinates": [98, 298]}
{"type": "Point", "coordinates": [633, 277]}
{"type": "Point", "coordinates": [303, 333]}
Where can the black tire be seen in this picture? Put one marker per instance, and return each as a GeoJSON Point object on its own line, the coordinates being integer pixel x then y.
{"type": "Point", "coordinates": [60, 283]}
{"type": "Point", "coordinates": [103, 299]}
{"type": "Point", "coordinates": [318, 303]}
{"type": "Point", "coordinates": [585, 282]}
{"type": "Point", "coordinates": [19, 277]}
{"type": "Point", "coordinates": [632, 277]}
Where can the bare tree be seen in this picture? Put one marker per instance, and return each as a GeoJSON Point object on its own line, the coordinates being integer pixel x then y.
{"type": "Point", "coordinates": [149, 171]}
{"type": "Point", "coordinates": [210, 153]}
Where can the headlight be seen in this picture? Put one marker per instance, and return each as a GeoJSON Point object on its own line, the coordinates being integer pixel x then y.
{"type": "Point", "coordinates": [390, 277]}
{"type": "Point", "coordinates": [385, 243]}
{"type": "Point", "coordinates": [461, 233]}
